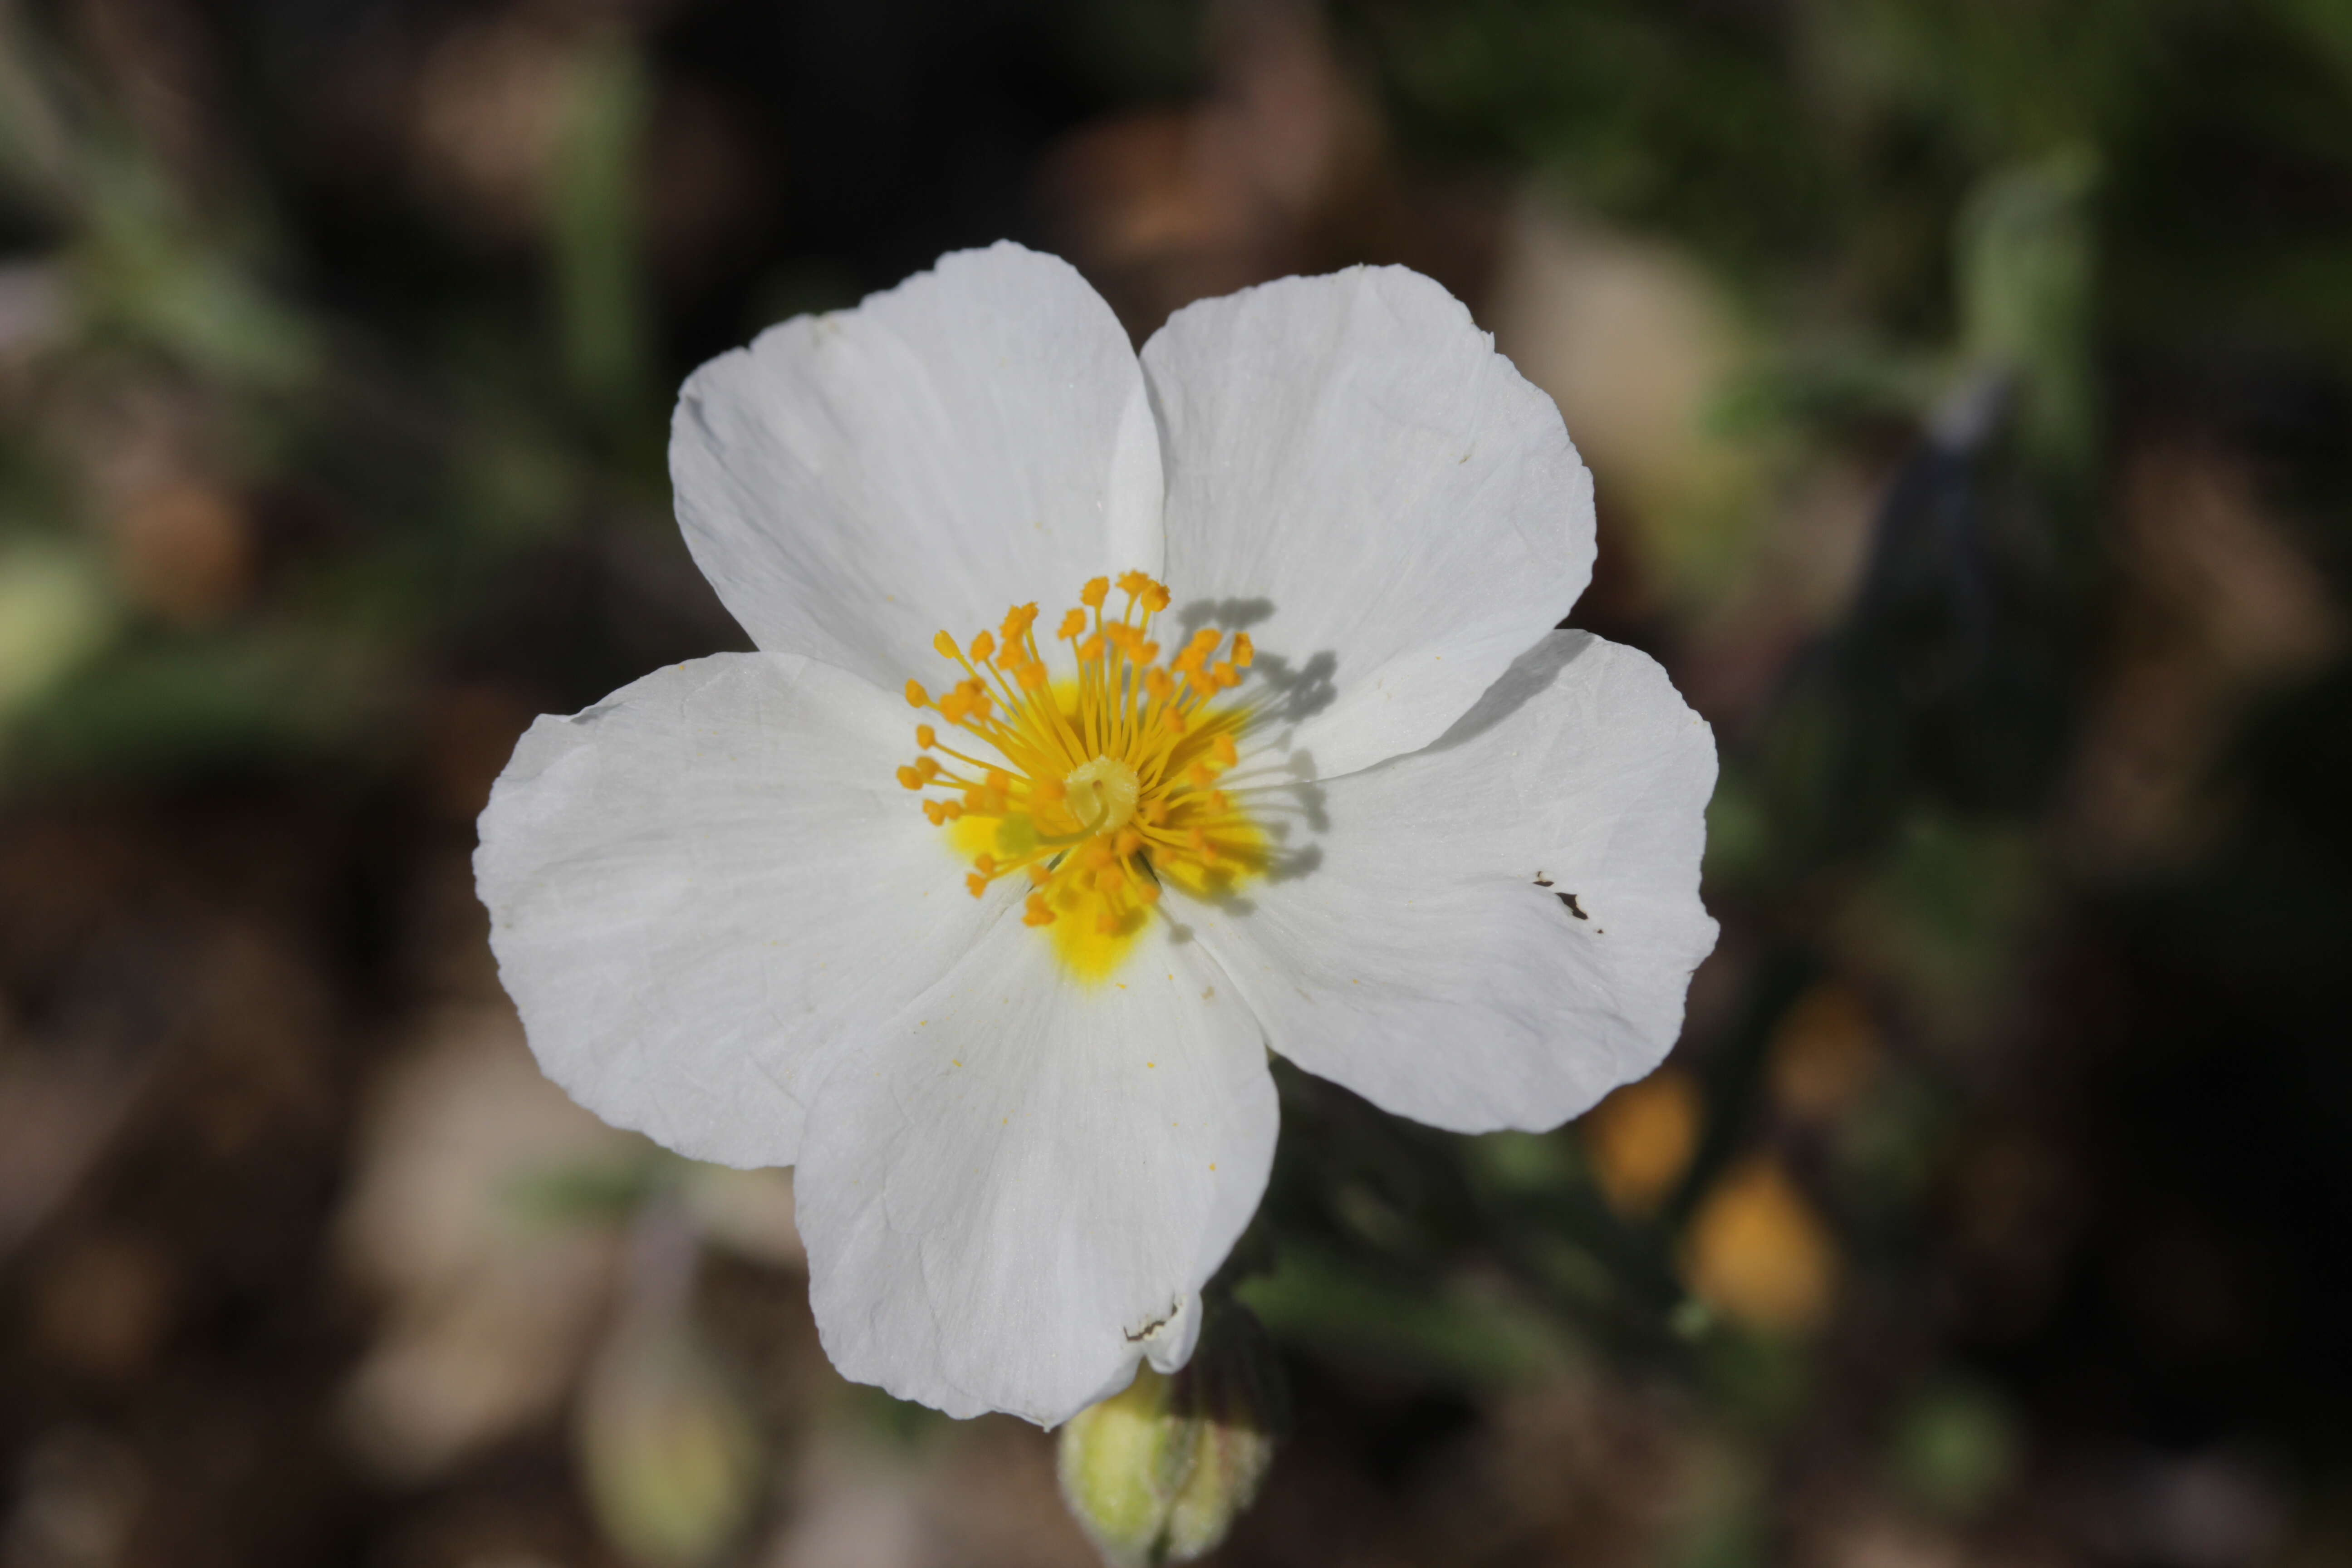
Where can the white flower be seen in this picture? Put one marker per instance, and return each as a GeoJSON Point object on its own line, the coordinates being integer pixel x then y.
{"type": "Point", "coordinates": [1424, 846]}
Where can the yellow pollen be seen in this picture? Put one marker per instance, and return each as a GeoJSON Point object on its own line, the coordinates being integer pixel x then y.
{"type": "Point", "coordinates": [1093, 783]}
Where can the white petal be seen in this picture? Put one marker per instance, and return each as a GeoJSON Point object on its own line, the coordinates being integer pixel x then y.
{"type": "Point", "coordinates": [1407, 950]}
{"type": "Point", "coordinates": [976, 437]}
{"type": "Point", "coordinates": [1017, 1189]}
{"type": "Point", "coordinates": [701, 883]}
{"type": "Point", "coordinates": [1354, 471]}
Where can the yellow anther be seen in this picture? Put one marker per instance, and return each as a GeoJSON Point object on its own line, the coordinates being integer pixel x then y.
{"type": "Point", "coordinates": [1097, 841]}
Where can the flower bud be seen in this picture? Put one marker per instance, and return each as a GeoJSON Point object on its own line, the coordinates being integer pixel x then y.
{"type": "Point", "coordinates": [1159, 1473]}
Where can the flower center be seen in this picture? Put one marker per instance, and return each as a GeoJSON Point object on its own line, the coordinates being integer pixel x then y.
{"type": "Point", "coordinates": [1095, 789]}
{"type": "Point", "coordinates": [1103, 793]}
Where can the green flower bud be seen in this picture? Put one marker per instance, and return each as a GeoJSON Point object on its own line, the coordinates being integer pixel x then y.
{"type": "Point", "coordinates": [1159, 1473]}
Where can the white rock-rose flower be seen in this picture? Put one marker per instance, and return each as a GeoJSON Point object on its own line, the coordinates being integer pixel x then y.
{"type": "Point", "coordinates": [1304, 766]}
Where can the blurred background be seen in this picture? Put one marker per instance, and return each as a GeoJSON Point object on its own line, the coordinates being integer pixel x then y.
{"type": "Point", "coordinates": [1969, 384]}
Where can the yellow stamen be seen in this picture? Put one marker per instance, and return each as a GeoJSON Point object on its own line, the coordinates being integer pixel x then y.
{"type": "Point", "coordinates": [1096, 786]}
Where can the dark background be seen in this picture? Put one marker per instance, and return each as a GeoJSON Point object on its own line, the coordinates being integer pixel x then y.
{"type": "Point", "coordinates": [1969, 384]}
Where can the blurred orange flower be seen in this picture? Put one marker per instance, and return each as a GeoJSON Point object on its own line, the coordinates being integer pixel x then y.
{"type": "Point", "coordinates": [1640, 1137]}
{"type": "Point", "coordinates": [1759, 1255]}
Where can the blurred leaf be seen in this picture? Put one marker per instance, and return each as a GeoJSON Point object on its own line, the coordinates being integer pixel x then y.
{"type": "Point", "coordinates": [597, 229]}
{"type": "Point", "coordinates": [56, 610]}
{"type": "Point", "coordinates": [1956, 1448]}
{"type": "Point", "coordinates": [1320, 1304]}
{"type": "Point", "coordinates": [2025, 275]}
{"type": "Point", "coordinates": [168, 704]}
{"type": "Point", "coordinates": [604, 1193]}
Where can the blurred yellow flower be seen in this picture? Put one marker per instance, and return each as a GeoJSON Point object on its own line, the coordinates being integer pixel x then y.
{"type": "Point", "coordinates": [1759, 1255]}
{"type": "Point", "coordinates": [1641, 1139]}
